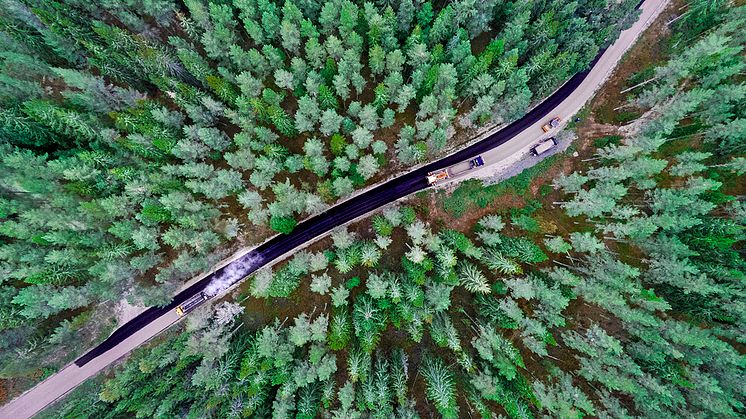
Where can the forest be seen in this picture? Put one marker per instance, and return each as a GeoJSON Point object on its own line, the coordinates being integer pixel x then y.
{"type": "Point", "coordinates": [142, 141]}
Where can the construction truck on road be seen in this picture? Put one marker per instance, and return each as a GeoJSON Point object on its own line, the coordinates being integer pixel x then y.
{"type": "Point", "coordinates": [439, 175]}
{"type": "Point", "coordinates": [191, 304]}
{"type": "Point", "coordinates": [544, 146]}
{"type": "Point", "coordinates": [554, 123]}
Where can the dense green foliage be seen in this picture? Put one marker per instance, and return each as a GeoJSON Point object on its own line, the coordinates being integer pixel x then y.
{"type": "Point", "coordinates": [633, 308]}
{"type": "Point", "coordinates": [139, 139]}
{"type": "Point", "coordinates": [635, 314]}
{"type": "Point", "coordinates": [662, 362]}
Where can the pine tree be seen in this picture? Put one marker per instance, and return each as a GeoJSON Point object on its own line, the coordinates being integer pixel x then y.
{"type": "Point", "coordinates": [441, 387]}
{"type": "Point", "coordinates": [473, 279]}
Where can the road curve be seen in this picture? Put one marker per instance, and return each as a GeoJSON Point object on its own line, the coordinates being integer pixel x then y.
{"type": "Point", "coordinates": [519, 135]}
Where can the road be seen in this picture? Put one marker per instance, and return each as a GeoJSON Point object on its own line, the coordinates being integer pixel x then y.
{"type": "Point", "coordinates": [514, 138]}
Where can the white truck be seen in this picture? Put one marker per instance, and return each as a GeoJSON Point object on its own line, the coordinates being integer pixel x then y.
{"type": "Point", "coordinates": [458, 168]}
{"type": "Point", "coordinates": [544, 146]}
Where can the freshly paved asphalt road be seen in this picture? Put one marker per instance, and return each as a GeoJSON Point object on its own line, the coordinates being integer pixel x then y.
{"type": "Point", "coordinates": [514, 138]}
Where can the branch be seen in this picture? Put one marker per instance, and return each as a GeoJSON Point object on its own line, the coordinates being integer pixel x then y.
{"type": "Point", "coordinates": [677, 18]}
{"type": "Point", "coordinates": [638, 85]}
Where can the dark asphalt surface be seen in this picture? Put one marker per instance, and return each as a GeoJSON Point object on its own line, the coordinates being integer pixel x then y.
{"type": "Point", "coordinates": [339, 214]}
